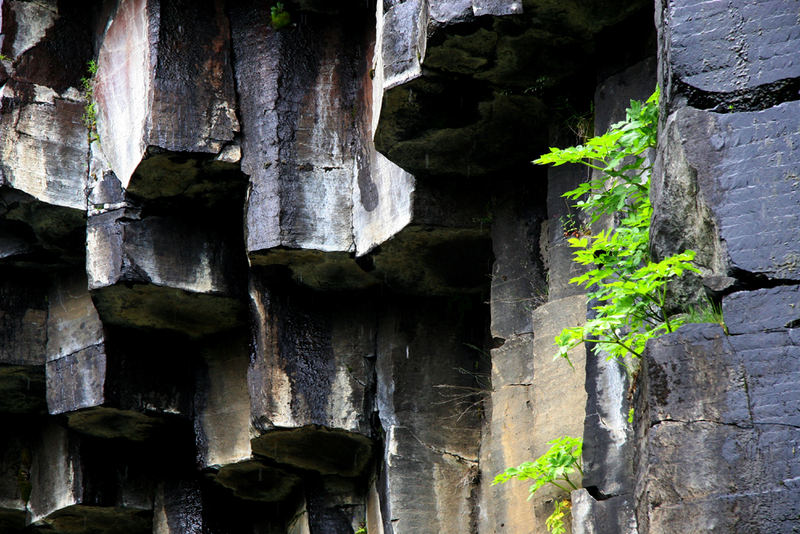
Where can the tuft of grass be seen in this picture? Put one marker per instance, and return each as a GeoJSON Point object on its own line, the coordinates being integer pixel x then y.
{"type": "Point", "coordinates": [709, 312]}
{"type": "Point", "coordinates": [89, 117]}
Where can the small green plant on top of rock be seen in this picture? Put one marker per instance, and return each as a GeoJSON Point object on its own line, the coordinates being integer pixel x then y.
{"type": "Point", "coordinates": [555, 467]}
{"type": "Point", "coordinates": [89, 117]}
{"type": "Point", "coordinates": [280, 18]}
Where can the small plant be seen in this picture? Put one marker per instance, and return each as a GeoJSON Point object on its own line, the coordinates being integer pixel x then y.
{"type": "Point", "coordinates": [279, 16]}
{"type": "Point", "coordinates": [555, 522]}
{"type": "Point", "coordinates": [362, 530]}
{"type": "Point", "coordinates": [89, 117]}
{"type": "Point", "coordinates": [4, 57]}
{"type": "Point", "coordinates": [553, 467]}
{"type": "Point", "coordinates": [572, 227]}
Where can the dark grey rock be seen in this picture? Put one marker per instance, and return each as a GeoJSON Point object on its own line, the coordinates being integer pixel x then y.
{"type": "Point", "coordinates": [730, 404]}
{"type": "Point", "coordinates": [751, 312]}
{"type": "Point", "coordinates": [23, 338]}
{"type": "Point", "coordinates": [412, 503]}
{"type": "Point", "coordinates": [614, 94]}
{"type": "Point", "coordinates": [764, 512]}
{"type": "Point", "coordinates": [518, 280]}
{"type": "Point", "coordinates": [110, 390]}
{"type": "Point", "coordinates": [722, 48]}
{"type": "Point", "coordinates": [38, 235]}
{"type": "Point", "coordinates": [319, 192]}
{"type": "Point", "coordinates": [335, 505]}
{"type": "Point", "coordinates": [254, 480]}
{"type": "Point", "coordinates": [310, 377]}
{"type": "Point", "coordinates": [564, 220]}
{"type": "Point", "coordinates": [608, 446]}
{"type": "Point", "coordinates": [429, 396]}
{"type": "Point", "coordinates": [178, 508]}
{"type": "Point", "coordinates": [77, 481]}
{"type": "Point", "coordinates": [695, 374]}
{"type": "Point", "coordinates": [165, 272]}
{"type": "Point", "coordinates": [180, 98]}
{"type": "Point", "coordinates": [15, 471]}
{"type": "Point", "coordinates": [591, 516]}
{"type": "Point", "coordinates": [726, 186]}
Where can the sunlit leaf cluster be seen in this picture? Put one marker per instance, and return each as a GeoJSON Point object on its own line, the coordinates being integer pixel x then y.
{"type": "Point", "coordinates": [556, 466]}
{"type": "Point", "coordinates": [627, 288]}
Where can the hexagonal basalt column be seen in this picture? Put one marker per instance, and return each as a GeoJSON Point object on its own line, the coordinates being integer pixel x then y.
{"type": "Point", "coordinates": [23, 338]}
{"type": "Point", "coordinates": [429, 395]}
{"type": "Point", "coordinates": [43, 142]}
{"type": "Point", "coordinates": [222, 424]}
{"type": "Point", "coordinates": [317, 184]}
{"type": "Point", "coordinates": [165, 271]}
{"type": "Point", "coordinates": [102, 378]}
{"type": "Point", "coordinates": [164, 83]}
{"type": "Point", "coordinates": [310, 379]}
{"type": "Point", "coordinates": [79, 481]}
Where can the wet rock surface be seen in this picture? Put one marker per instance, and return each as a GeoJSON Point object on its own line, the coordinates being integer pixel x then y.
{"type": "Point", "coordinates": [304, 279]}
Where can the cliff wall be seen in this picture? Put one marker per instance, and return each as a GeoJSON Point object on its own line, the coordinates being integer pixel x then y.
{"type": "Point", "coordinates": [303, 278]}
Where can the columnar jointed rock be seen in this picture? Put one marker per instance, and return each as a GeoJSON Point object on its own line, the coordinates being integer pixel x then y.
{"type": "Point", "coordinates": [78, 482]}
{"type": "Point", "coordinates": [735, 176]}
{"type": "Point", "coordinates": [430, 392]}
{"type": "Point", "coordinates": [154, 91]}
{"type": "Point", "coordinates": [23, 339]}
{"type": "Point", "coordinates": [742, 54]}
{"type": "Point", "coordinates": [731, 403]}
{"type": "Point", "coordinates": [310, 379]}
{"type": "Point", "coordinates": [317, 183]}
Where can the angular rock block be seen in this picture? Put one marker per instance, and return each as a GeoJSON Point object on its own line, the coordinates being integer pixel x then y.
{"type": "Point", "coordinates": [714, 47]}
{"type": "Point", "coordinates": [431, 386]}
{"type": "Point", "coordinates": [23, 339]}
{"type": "Point", "coordinates": [181, 273]}
{"type": "Point", "coordinates": [44, 142]}
{"type": "Point", "coordinates": [78, 481]}
{"type": "Point", "coordinates": [310, 378]}
{"type": "Point", "coordinates": [506, 442]}
{"type": "Point", "coordinates": [222, 424]}
{"type": "Point", "coordinates": [518, 279]}
{"type": "Point", "coordinates": [164, 83]}
{"type": "Point", "coordinates": [104, 380]}
{"type": "Point", "coordinates": [591, 516]}
{"type": "Point", "coordinates": [15, 472]}
{"type": "Point", "coordinates": [178, 508]}
{"type": "Point", "coordinates": [430, 51]}
{"type": "Point", "coordinates": [726, 186]}
{"type": "Point", "coordinates": [336, 504]}
{"type": "Point", "coordinates": [403, 30]}
{"type": "Point", "coordinates": [741, 431]}
{"type": "Point", "coordinates": [317, 184]}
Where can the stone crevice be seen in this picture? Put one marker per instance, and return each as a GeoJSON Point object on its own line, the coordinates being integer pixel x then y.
{"type": "Point", "coordinates": [753, 99]}
{"type": "Point", "coordinates": [439, 450]}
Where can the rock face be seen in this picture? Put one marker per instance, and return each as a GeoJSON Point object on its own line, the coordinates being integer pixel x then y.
{"type": "Point", "coordinates": [301, 278]}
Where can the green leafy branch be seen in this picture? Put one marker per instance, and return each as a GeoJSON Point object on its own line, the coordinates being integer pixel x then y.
{"type": "Point", "coordinates": [555, 467]}
{"type": "Point", "coordinates": [628, 287]}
